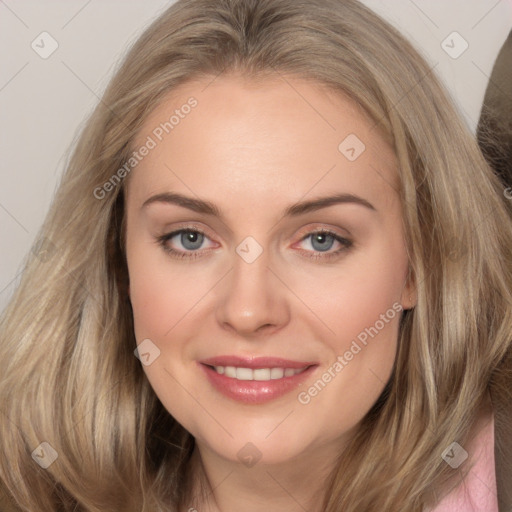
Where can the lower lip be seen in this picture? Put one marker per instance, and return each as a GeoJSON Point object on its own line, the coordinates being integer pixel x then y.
{"type": "Point", "coordinates": [255, 391]}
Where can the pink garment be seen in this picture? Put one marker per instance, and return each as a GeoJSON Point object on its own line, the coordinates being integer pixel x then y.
{"type": "Point", "coordinates": [478, 492]}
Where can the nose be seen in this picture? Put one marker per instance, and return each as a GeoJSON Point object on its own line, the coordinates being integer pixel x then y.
{"type": "Point", "coordinates": [253, 300]}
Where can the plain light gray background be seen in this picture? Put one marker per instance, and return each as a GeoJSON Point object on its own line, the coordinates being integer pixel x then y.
{"type": "Point", "coordinates": [43, 102]}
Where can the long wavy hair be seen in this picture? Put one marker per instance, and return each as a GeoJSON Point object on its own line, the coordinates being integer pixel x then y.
{"type": "Point", "coordinates": [69, 375]}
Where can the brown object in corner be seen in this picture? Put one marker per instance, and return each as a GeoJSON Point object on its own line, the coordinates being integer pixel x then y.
{"type": "Point", "coordinates": [494, 131]}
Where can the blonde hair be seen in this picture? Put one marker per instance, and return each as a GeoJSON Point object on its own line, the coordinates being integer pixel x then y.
{"type": "Point", "coordinates": [70, 377]}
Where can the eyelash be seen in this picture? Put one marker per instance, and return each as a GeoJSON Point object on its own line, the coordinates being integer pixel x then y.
{"type": "Point", "coordinates": [345, 245]}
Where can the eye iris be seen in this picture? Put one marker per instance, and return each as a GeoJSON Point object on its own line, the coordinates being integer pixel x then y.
{"type": "Point", "coordinates": [321, 237]}
{"type": "Point", "coordinates": [193, 238]}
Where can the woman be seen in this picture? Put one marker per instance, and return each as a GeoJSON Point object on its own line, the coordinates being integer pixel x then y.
{"type": "Point", "coordinates": [272, 372]}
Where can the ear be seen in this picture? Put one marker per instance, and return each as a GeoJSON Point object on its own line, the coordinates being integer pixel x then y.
{"type": "Point", "coordinates": [408, 298]}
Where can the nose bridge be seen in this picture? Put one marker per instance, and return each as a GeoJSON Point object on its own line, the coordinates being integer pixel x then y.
{"type": "Point", "coordinates": [250, 268]}
{"type": "Point", "coordinates": [252, 296]}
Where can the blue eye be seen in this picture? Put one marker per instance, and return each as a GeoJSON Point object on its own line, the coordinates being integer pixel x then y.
{"type": "Point", "coordinates": [192, 239]}
{"type": "Point", "coordinates": [319, 239]}
{"type": "Point", "coordinates": [322, 241]}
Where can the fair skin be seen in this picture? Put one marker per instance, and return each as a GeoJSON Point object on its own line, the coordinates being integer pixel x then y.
{"type": "Point", "coordinates": [253, 149]}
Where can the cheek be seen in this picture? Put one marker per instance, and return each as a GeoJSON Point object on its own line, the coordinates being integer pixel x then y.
{"type": "Point", "coordinates": [163, 303]}
{"type": "Point", "coordinates": [361, 306]}
{"type": "Point", "coordinates": [150, 300]}
{"type": "Point", "coordinates": [360, 360]}
{"type": "Point", "coordinates": [362, 293]}
{"type": "Point", "coordinates": [162, 292]}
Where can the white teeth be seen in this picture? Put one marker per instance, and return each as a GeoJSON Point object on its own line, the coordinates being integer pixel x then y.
{"type": "Point", "coordinates": [276, 373]}
{"type": "Point", "coordinates": [230, 371]}
{"type": "Point", "coordinates": [259, 374]}
{"type": "Point", "coordinates": [244, 374]}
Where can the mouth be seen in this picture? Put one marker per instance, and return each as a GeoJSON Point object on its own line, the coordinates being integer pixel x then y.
{"type": "Point", "coordinates": [255, 380]}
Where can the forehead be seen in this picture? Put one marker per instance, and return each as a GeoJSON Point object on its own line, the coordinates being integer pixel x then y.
{"type": "Point", "coordinates": [279, 136]}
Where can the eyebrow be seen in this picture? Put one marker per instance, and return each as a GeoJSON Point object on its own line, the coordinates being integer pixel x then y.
{"type": "Point", "coordinates": [294, 210]}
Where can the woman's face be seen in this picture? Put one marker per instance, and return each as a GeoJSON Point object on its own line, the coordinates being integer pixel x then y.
{"type": "Point", "coordinates": [229, 267]}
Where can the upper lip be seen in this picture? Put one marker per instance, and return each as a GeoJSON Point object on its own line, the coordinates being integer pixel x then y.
{"type": "Point", "coordinates": [255, 362]}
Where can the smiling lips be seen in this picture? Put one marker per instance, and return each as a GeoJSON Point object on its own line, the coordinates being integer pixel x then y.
{"type": "Point", "coordinates": [255, 380]}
